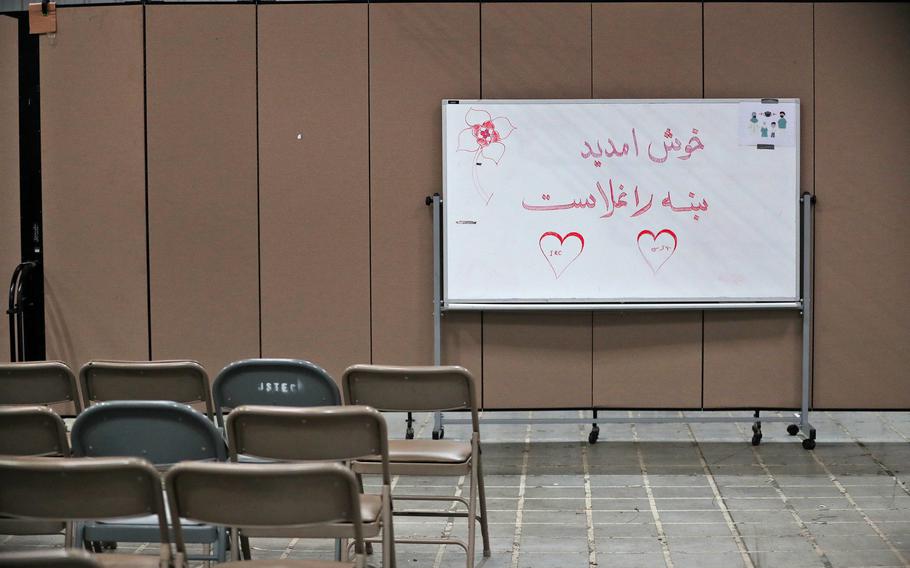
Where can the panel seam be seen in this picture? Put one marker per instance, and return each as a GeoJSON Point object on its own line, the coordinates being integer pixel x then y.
{"type": "Point", "coordinates": [145, 125]}
{"type": "Point", "coordinates": [258, 183]}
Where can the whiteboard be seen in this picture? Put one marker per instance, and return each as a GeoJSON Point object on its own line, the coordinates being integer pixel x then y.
{"type": "Point", "coordinates": [561, 202]}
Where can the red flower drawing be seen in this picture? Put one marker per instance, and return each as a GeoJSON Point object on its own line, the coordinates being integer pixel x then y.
{"type": "Point", "coordinates": [483, 136]}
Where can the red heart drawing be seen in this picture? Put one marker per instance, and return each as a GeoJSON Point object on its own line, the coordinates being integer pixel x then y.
{"type": "Point", "coordinates": [561, 251]}
{"type": "Point", "coordinates": [658, 249]}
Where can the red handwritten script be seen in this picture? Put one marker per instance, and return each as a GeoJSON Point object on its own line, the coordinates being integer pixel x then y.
{"type": "Point", "coordinates": [561, 251]}
{"type": "Point", "coordinates": [618, 198]}
{"type": "Point", "coordinates": [657, 249]}
{"type": "Point", "coordinates": [671, 145]}
{"type": "Point", "coordinates": [483, 136]}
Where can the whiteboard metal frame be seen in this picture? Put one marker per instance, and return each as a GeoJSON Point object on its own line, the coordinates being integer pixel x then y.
{"type": "Point", "coordinates": [799, 420]}
{"type": "Point", "coordinates": [462, 304]}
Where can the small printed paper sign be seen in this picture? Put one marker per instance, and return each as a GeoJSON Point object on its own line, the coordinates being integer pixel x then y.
{"type": "Point", "coordinates": [775, 124]}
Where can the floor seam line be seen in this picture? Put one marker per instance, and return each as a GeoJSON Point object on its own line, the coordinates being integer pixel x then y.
{"type": "Point", "coordinates": [803, 527]}
{"type": "Point", "coordinates": [522, 483]}
{"type": "Point", "coordinates": [589, 514]}
{"type": "Point", "coordinates": [721, 503]}
{"type": "Point", "coordinates": [652, 502]}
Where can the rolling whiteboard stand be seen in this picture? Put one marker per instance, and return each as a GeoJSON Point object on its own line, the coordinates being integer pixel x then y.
{"type": "Point", "coordinates": [797, 424]}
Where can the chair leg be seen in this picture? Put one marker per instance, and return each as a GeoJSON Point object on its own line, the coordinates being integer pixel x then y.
{"type": "Point", "coordinates": [221, 545]}
{"type": "Point", "coordinates": [484, 529]}
{"type": "Point", "coordinates": [341, 550]}
{"type": "Point", "coordinates": [472, 510]}
{"type": "Point", "coordinates": [68, 535]}
{"type": "Point", "coordinates": [245, 547]}
{"type": "Point", "coordinates": [388, 536]}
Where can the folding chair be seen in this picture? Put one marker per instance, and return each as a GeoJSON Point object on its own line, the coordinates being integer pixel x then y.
{"type": "Point", "coordinates": [67, 489]}
{"type": "Point", "coordinates": [38, 382]}
{"type": "Point", "coordinates": [426, 389]}
{"type": "Point", "coordinates": [321, 434]}
{"type": "Point", "coordinates": [161, 432]}
{"type": "Point", "coordinates": [32, 431]}
{"type": "Point", "coordinates": [179, 381]}
{"type": "Point", "coordinates": [273, 382]}
{"type": "Point", "coordinates": [264, 497]}
{"type": "Point", "coordinates": [60, 558]}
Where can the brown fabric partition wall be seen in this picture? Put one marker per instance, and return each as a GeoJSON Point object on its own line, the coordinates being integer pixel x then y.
{"type": "Point", "coordinates": [202, 187]}
{"type": "Point", "coordinates": [863, 176]}
{"type": "Point", "coordinates": [290, 148]}
{"type": "Point", "coordinates": [93, 178]}
{"type": "Point", "coordinates": [9, 165]}
{"type": "Point", "coordinates": [314, 183]}
{"type": "Point", "coordinates": [419, 55]}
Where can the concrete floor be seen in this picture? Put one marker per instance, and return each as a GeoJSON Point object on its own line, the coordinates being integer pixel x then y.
{"type": "Point", "coordinates": [664, 495]}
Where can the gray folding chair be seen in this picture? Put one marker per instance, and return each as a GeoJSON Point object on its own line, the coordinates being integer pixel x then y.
{"type": "Point", "coordinates": [179, 381]}
{"type": "Point", "coordinates": [68, 489]}
{"type": "Point", "coordinates": [321, 434]}
{"type": "Point", "coordinates": [161, 432]}
{"type": "Point", "coordinates": [426, 389]}
{"type": "Point", "coordinates": [267, 497]}
{"type": "Point", "coordinates": [60, 558]}
{"type": "Point", "coordinates": [38, 382]}
{"type": "Point", "coordinates": [273, 382]}
{"type": "Point", "coordinates": [32, 431]}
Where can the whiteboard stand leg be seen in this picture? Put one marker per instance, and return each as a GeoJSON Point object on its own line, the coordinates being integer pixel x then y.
{"type": "Point", "coordinates": [805, 427]}
{"type": "Point", "coordinates": [595, 429]}
{"type": "Point", "coordinates": [435, 201]}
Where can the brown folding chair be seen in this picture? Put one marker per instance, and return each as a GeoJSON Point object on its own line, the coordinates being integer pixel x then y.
{"type": "Point", "coordinates": [426, 389]}
{"type": "Point", "coordinates": [330, 433]}
{"type": "Point", "coordinates": [264, 498]}
{"type": "Point", "coordinates": [38, 382]}
{"type": "Point", "coordinates": [177, 381]}
{"type": "Point", "coordinates": [32, 431]}
{"type": "Point", "coordinates": [75, 489]}
{"type": "Point", "coordinates": [59, 558]}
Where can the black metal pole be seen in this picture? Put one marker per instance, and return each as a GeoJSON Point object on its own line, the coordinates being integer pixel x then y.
{"type": "Point", "coordinates": [31, 316]}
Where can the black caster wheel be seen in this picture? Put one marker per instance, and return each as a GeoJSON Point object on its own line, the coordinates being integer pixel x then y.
{"type": "Point", "coordinates": [756, 438]}
{"type": "Point", "coordinates": [409, 434]}
{"type": "Point", "coordinates": [595, 433]}
{"type": "Point", "coordinates": [439, 434]}
{"type": "Point", "coordinates": [793, 429]}
{"type": "Point", "coordinates": [809, 444]}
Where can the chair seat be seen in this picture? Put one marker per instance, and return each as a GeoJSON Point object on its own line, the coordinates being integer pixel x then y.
{"type": "Point", "coordinates": [28, 526]}
{"type": "Point", "coordinates": [127, 560]}
{"type": "Point", "coordinates": [290, 564]}
{"type": "Point", "coordinates": [137, 529]}
{"type": "Point", "coordinates": [426, 451]}
{"type": "Point", "coordinates": [370, 513]}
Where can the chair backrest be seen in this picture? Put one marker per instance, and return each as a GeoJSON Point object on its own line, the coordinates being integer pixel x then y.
{"type": "Point", "coordinates": [160, 431]}
{"type": "Point", "coordinates": [180, 381]}
{"type": "Point", "coordinates": [263, 496]}
{"type": "Point", "coordinates": [309, 434]}
{"type": "Point", "coordinates": [32, 431]}
{"type": "Point", "coordinates": [414, 388]}
{"type": "Point", "coordinates": [273, 382]}
{"type": "Point", "coordinates": [59, 558]}
{"type": "Point", "coordinates": [70, 489]}
{"type": "Point", "coordinates": [38, 382]}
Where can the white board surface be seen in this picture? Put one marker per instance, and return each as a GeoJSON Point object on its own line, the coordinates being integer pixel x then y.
{"type": "Point", "coordinates": [560, 202]}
